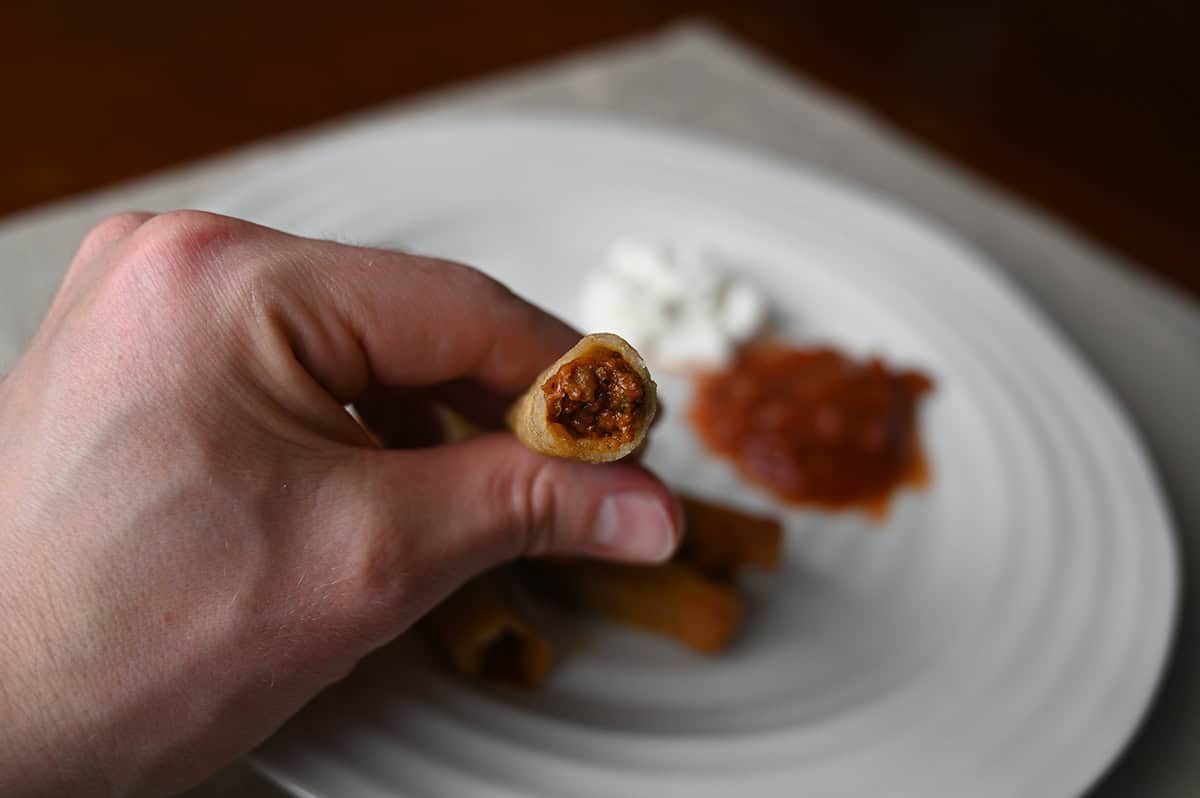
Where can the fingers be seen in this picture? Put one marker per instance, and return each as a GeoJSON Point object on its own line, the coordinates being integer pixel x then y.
{"type": "Point", "coordinates": [356, 315]}
{"type": "Point", "coordinates": [489, 499]}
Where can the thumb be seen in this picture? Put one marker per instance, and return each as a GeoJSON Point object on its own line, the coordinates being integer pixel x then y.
{"type": "Point", "coordinates": [473, 504]}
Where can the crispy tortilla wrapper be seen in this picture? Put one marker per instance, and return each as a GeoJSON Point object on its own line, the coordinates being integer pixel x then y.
{"type": "Point", "coordinates": [720, 540]}
{"type": "Point", "coordinates": [485, 637]}
{"type": "Point", "coordinates": [529, 417]}
{"type": "Point", "coordinates": [672, 599]}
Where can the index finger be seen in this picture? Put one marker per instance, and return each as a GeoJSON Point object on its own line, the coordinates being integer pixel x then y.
{"type": "Point", "coordinates": [356, 316]}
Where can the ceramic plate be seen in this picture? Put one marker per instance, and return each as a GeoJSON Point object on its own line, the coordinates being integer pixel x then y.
{"type": "Point", "coordinates": [999, 635]}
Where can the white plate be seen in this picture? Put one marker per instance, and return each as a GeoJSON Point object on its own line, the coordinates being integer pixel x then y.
{"type": "Point", "coordinates": [1000, 635]}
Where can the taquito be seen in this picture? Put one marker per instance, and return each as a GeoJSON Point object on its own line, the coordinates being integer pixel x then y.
{"type": "Point", "coordinates": [720, 540]}
{"type": "Point", "coordinates": [485, 637]}
{"type": "Point", "coordinates": [594, 404]}
{"type": "Point", "coordinates": [672, 599]}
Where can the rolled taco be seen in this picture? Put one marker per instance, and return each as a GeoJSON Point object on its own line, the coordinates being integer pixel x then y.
{"type": "Point", "coordinates": [672, 599]}
{"type": "Point", "coordinates": [485, 636]}
{"type": "Point", "coordinates": [594, 404]}
{"type": "Point", "coordinates": [721, 541]}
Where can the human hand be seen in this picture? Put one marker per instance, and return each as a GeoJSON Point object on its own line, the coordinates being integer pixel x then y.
{"type": "Point", "coordinates": [197, 537]}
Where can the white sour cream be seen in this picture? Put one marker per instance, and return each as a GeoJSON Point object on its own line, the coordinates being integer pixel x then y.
{"type": "Point", "coordinates": [676, 305]}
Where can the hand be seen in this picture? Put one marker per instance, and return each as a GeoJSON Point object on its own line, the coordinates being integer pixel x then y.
{"type": "Point", "coordinates": [196, 537]}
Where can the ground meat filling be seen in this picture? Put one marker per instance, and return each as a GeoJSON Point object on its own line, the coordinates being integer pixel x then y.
{"type": "Point", "coordinates": [597, 396]}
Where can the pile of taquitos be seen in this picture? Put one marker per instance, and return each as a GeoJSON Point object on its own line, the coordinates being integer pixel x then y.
{"type": "Point", "coordinates": [596, 404]}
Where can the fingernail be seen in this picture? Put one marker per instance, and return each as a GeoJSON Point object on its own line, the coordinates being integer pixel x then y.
{"type": "Point", "coordinates": [634, 526]}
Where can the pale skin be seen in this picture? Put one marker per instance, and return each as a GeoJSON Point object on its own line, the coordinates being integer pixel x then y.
{"type": "Point", "coordinates": [196, 538]}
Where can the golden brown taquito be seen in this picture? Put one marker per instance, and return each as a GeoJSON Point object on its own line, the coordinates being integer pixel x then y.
{"type": "Point", "coordinates": [672, 599]}
{"type": "Point", "coordinates": [720, 540]}
{"type": "Point", "coordinates": [486, 637]}
{"type": "Point", "coordinates": [594, 404]}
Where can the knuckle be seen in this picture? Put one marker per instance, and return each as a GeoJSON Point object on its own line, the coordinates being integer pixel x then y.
{"type": "Point", "coordinates": [180, 247]}
{"type": "Point", "coordinates": [494, 292]}
{"type": "Point", "coordinates": [469, 281]}
{"type": "Point", "coordinates": [171, 275]}
{"type": "Point", "coordinates": [112, 229]}
{"type": "Point", "coordinates": [180, 237]}
{"type": "Point", "coordinates": [486, 293]}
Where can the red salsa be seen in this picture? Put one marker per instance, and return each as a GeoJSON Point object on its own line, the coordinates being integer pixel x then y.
{"type": "Point", "coordinates": [814, 426]}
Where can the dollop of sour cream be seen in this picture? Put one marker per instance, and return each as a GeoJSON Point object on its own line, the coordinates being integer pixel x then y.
{"type": "Point", "coordinates": [675, 304]}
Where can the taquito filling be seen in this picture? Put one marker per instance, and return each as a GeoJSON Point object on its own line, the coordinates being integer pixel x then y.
{"type": "Point", "coordinates": [596, 396]}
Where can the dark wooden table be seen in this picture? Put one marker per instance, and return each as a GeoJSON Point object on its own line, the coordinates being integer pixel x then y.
{"type": "Point", "coordinates": [1088, 108]}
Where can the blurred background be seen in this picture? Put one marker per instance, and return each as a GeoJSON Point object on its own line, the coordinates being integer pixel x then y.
{"type": "Point", "coordinates": [1088, 108]}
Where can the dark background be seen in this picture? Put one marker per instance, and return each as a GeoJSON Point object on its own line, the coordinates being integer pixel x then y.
{"type": "Point", "coordinates": [1086, 107]}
